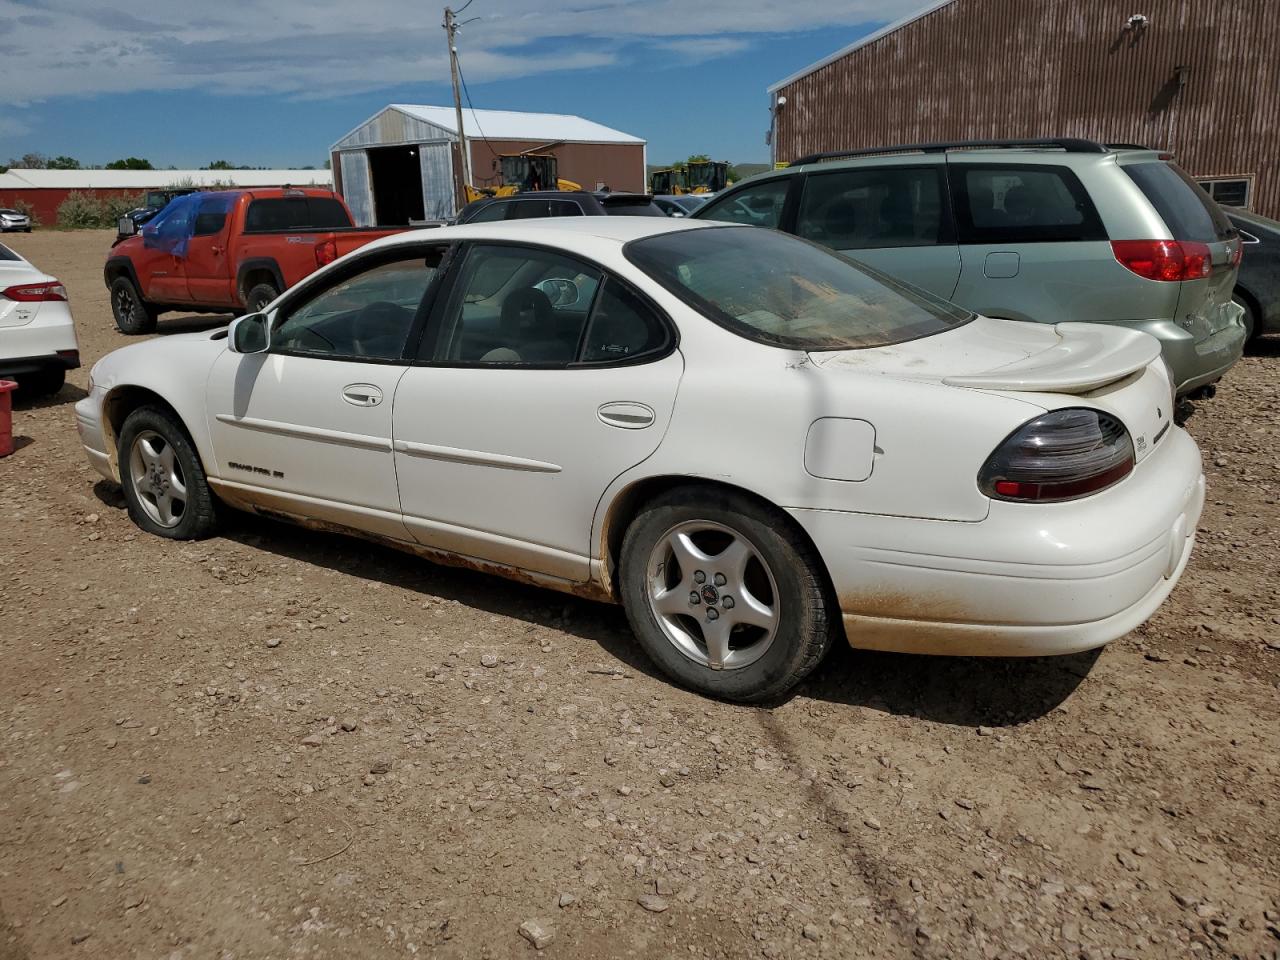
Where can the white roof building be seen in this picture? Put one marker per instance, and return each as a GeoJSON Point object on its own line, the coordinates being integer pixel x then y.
{"type": "Point", "coordinates": [401, 165]}
{"type": "Point", "coordinates": [22, 178]}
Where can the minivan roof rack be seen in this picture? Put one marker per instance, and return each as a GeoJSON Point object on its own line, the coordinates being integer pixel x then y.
{"type": "Point", "coordinates": [1069, 144]}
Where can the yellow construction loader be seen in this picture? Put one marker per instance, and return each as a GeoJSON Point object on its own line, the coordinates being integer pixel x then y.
{"type": "Point", "coordinates": [522, 172]}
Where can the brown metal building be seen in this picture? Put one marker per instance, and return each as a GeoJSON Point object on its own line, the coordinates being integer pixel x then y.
{"type": "Point", "coordinates": [402, 164]}
{"type": "Point", "coordinates": [1200, 78]}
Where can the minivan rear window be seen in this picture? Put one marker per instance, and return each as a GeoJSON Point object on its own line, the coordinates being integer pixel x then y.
{"type": "Point", "coordinates": [1186, 209]}
{"type": "Point", "coordinates": [295, 213]}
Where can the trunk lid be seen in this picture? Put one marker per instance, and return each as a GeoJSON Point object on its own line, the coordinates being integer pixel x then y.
{"type": "Point", "coordinates": [1084, 364]}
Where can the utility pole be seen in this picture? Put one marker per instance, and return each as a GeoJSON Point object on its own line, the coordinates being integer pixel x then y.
{"type": "Point", "coordinates": [451, 30]}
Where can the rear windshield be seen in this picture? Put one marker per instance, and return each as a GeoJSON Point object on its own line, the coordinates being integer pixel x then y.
{"type": "Point", "coordinates": [632, 208]}
{"type": "Point", "coordinates": [1186, 209]}
{"type": "Point", "coordinates": [7, 254]}
{"type": "Point", "coordinates": [296, 213]}
{"type": "Point", "coordinates": [779, 290]}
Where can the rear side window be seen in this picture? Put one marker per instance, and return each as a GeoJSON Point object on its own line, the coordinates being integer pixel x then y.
{"type": "Point", "coordinates": [1186, 209]}
{"type": "Point", "coordinates": [622, 327]}
{"type": "Point", "coordinates": [874, 207]}
{"type": "Point", "coordinates": [1022, 204]}
{"type": "Point", "coordinates": [760, 204]}
{"type": "Point", "coordinates": [564, 208]}
{"type": "Point", "coordinates": [631, 208]}
{"type": "Point", "coordinates": [295, 213]}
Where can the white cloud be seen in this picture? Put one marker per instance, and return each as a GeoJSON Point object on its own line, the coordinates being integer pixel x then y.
{"type": "Point", "coordinates": [317, 48]}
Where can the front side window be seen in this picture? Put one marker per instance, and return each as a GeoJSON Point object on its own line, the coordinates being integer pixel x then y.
{"type": "Point", "coordinates": [782, 291]}
{"type": "Point", "coordinates": [489, 213]}
{"type": "Point", "coordinates": [366, 316]}
{"type": "Point", "coordinates": [1022, 204]}
{"type": "Point", "coordinates": [211, 215]}
{"type": "Point", "coordinates": [517, 305]}
{"type": "Point", "coordinates": [872, 207]}
{"type": "Point", "coordinates": [760, 205]}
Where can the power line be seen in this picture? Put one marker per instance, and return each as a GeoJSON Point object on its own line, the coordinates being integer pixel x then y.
{"type": "Point", "coordinates": [470, 104]}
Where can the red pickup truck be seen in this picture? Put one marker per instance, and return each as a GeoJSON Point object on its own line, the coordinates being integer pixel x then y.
{"type": "Point", "coordinates": [228, 251]}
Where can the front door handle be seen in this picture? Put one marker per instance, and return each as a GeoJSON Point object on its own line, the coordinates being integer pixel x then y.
{"type": "Point", "coordinates": [626, 415]}
{"type": "Point", "coordinates": [362, 394]}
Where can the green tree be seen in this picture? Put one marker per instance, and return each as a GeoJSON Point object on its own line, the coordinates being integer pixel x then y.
{"type": "Point", "coordinates": [220, 165]}
{"type": "Point", "coordinates": [29, 161]}
{"type": "Point", "coordinates": [64, 163]}
{"type": "Point", "coordinates": [130, 163]}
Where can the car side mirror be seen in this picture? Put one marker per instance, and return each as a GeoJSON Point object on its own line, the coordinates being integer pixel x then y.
{"type": "Point", "coordinates": [250, 334]}
{"type": "Point", "coordinates": [126, 227]}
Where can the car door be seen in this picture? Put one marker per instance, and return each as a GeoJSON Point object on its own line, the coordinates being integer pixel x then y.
{"type": "Point", "coordinates": [306, 426]}
{"type": "Point", "coordinates": [893, 217]}
{"type": "Point", "coordinates": [543, 379]}
{"type": "Point", "coordinates": [164, 242]}
{"type": "Point", "coordinates": [1031, 242]}
{"type": "Point", "coordinates": [206, 267]}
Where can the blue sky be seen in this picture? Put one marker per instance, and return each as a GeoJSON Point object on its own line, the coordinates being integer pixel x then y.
{"type": "Point", "coordinates": [193, 83]}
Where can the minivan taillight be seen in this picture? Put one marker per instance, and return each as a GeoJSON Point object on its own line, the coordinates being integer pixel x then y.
{"type": "Point", "coordinates": [1062, 455]}
{"type": "Point", "coordinates": [36, 292]}
{"type": "Point", "coordinates": [1169, 260]}
{"type": "Point", "coordinates": [326, 252]}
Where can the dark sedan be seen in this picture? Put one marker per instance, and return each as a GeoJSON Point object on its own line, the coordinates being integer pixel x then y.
{"type": "Point", "coordinates": [1258, 285]}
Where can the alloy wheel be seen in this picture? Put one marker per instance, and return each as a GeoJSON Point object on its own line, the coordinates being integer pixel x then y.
{"type": "Point", "coordinates": [157, 478]}
{"type": "Point", "coordinates": [713, 594]}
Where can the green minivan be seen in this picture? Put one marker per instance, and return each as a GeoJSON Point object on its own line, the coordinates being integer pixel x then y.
{"type": "Point", "coordinates": [1040, 230]}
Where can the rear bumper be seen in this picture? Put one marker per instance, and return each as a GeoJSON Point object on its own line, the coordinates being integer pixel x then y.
{"type": "Point", "coordinates": [1193, 364]}
{"type": "Point", "coordinates": [60, 360]}
{"type": "Point", "coordinates": [1029, 580]}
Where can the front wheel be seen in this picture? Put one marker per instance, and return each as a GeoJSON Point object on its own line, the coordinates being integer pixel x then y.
{"type": "Point", "coordinates": [163, 479]}
{"type": "Point", "coordinates": [133, 315]}
{"type": "Point", "coordinates": [725, 595]}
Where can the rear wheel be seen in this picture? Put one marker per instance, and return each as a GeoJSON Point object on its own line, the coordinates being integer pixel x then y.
{"type": "Point", "coordinates": [259, 295]}
{"type": "Point", "coordinates": [725, 595]}
{"type": "Point", "coordinates": [42, 384]}
{"type": "Point", "coordinates": [133, 315]}
{"type": "Point", "coordinates": [163, 479]}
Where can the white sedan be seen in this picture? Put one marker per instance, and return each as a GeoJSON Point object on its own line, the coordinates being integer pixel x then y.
{"type": "Point", "coordinates": [748, 441]}
{"type": "Point", "coordinates": [37, 335]}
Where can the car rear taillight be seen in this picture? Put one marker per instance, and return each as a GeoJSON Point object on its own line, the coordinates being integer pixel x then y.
{"type": "Point", "coordinates": [1169, 260]}
{"type": "Point", "coordinates": [35, 292]}
{"type": "Point", "coordinates": [1062, 455]}
{"type": "Point", "coordinates": [326, 252]}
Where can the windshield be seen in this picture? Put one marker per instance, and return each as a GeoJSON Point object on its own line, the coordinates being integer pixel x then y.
{"type": "Point", "coordinates": [779, 290]}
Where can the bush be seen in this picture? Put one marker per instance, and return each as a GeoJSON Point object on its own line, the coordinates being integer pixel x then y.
{"type": "Point", "coordinates": [23, 207]}
{"type": "Point", "coordinates": [80, 211]}
{"type": "Point", "coordinates": [83, 211]}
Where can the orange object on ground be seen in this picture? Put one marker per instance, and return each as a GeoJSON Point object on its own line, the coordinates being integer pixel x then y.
{"type": "Point", "coordinates": [6, 416]}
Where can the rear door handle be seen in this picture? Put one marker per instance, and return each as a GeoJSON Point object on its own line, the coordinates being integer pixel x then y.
{"type": "Point", "coordinates": [362, 394]}
{"type": "Point", "coordinates": [626, 415]}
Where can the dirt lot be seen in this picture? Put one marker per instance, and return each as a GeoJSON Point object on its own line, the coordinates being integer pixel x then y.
{"type": "Point", "coordinates": [285, 744]}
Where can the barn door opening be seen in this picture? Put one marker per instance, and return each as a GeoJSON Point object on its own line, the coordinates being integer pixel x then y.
{"type": "Point", "coordinates": [397, 185]}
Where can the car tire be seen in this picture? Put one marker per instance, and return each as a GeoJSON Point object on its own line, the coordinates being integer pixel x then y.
{"type": "Point", "coordinates": [755, 560]}
{"type": "Point", "coordinates": [1250, 317]}
{"type": "Point", "coordinates": [133, 315]}
{"type": "Point", "coordinates": [43, 384]}
{"type": "Point", "coordinates": [259, 295]}
{"type": "Point", "coordinates": [163, 479]}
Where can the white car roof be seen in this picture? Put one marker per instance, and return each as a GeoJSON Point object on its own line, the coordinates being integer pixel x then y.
{"type": "Point", "coordinates": [570, 230]}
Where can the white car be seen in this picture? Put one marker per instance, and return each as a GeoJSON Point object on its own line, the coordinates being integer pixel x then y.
{"type": "Point", "coordinates": [11, 221]}
{"type": "Point", "coordinates": [37, 335]}
{"type": "Point", "coordinates": [750, 442]}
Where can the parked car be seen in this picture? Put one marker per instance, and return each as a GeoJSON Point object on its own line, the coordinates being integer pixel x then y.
{"type": "Point", "coordinates": [13, 221]}
{"type": "Point", "coordinates": [37, 336]}
{"type": "Point", "coordinates": [1045, 230]}
{"type": "Point", "coordinates": [1258, 285]}
{"type": "Point", "coordinates": [749, 441]}
{"type": "Point", "coordinates": [535, 204]}
{"type": "Point", "coordinates": [680, 204]}
{"type": "Point", "coordinates": [224, 251]}
{"type": "Point", "coordinates": [153, 203]}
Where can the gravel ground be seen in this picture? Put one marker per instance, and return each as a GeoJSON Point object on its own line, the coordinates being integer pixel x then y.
{"type": "Point", "coordinates": [279, 743]}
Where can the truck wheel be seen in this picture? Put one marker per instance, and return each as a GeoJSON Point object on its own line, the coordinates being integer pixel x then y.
{"type": "Point", "coordinates": [133, 315]}
{"type": "Point", "coordinates": [259, 296]}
